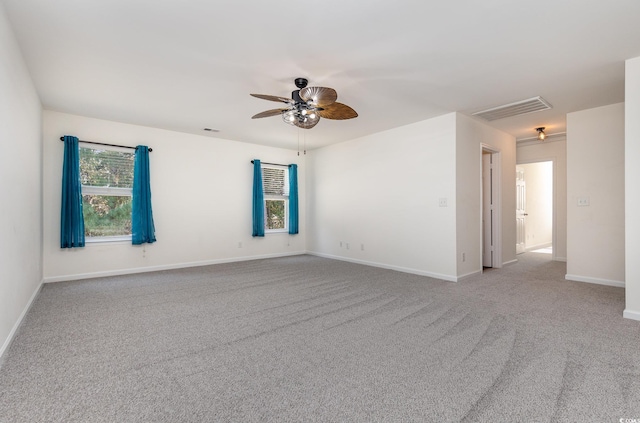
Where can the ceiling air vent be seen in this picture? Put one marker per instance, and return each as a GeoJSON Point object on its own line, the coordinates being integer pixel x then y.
{"type": "Point", "coordinates": [530, 105]}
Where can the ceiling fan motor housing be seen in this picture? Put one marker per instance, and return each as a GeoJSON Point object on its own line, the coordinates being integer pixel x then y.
{"type": "Point", "coordinates": [295, 96]}
{"type": "Point", "coordinates": [301, 82]}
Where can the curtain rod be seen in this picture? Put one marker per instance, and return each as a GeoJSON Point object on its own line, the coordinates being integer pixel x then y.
{"type": "Point", "coordinates": [273, 164]}
{"type": "Point", "coordinates": [109, 145]}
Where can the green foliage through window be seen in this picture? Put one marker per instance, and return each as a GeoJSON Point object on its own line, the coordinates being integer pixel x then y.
{"type": "Point", "coordinates": [107, 180]}
{"type": "Point", "coordinates": [275, 214]}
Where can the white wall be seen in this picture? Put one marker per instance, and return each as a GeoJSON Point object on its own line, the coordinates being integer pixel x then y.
{"type": "Point", "coordinates": [20, 185]}
{"type": "Point", "coordinates": [380, 195]}
{"type": "Point", "coordinates": [632, 188]}
{"type": "Point", "coordinates": [201, 195]}
{"type": "Point", "coordinates": [539, 204]}
{"type": "Point", "coordinates": [471, 135]}
{"type": "Point", "coordinates": [556, 151]}
{"type": "Point", "coordinates": [595, 172]}
{"type": "Point", "coordinates": [382, 192]}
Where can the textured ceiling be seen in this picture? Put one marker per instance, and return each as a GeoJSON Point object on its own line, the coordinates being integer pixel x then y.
{"type": "Point", "coordinates": [191, 64]}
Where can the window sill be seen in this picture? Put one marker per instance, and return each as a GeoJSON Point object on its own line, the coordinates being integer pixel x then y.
{"type": "Point", "coordinates": [276, 231]}
{"type": "Point", "coordinates": [108, 239]}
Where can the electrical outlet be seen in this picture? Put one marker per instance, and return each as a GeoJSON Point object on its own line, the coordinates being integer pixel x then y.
{"type": "Point", "coordinates": [347, 245]}
{"type": "Point", "coordinates": [583, 201]}
{"type": "Point", "coordinates": [340, 244]}
{"type": "Point", "coordinates": [442, 202]}
{"type": "Point", "coordinates": [239, 244]}
{"type": "Point", "coordinates": [464, 257]}
{"type": "Point", "coordinates": [361, 247]}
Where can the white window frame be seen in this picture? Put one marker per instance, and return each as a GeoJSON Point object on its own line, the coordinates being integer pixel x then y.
{"type": "Point", "coordinates": [107, 191]}
{"type": "Point", "coordinates": [284, 198]}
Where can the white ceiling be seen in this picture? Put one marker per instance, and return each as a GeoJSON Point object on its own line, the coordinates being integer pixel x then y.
{"type": "Point", "coordinates": [190, 64]}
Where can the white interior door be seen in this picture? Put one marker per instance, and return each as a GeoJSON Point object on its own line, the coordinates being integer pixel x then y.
{"type": "Point", "coordinates": [487, 210]}
{"type": "Point", "coordinates": [521, 204]}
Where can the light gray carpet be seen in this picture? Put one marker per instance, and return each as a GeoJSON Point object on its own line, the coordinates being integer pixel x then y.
{"type": "Point", "coordinates": [307, 339]}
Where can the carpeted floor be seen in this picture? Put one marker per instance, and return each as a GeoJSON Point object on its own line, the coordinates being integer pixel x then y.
{"type": "Point", "coordinates": [307, 339]}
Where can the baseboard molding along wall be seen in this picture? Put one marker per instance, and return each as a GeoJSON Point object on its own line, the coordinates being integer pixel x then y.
{"type": "Point", "coordinates": [576, 278]}
{"type": "Point", "coordinates": [389, 267]}
{"type": "Point", "coordinates": [630, 314]}
{"type": "Point", "coordinates": [164, 267]}
{"type": "Point", "coordinates": [538, 246]}
{"type": "Point", "coordinates": [506, 263]}
{"type": "Point", "coordinates": [15, 328]}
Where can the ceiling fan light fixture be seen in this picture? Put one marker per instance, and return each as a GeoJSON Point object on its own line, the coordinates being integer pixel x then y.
{"type": "Point", "coordinates": [307, 105]}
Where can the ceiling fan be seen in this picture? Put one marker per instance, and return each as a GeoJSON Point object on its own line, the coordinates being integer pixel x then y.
{"type": "Point", "coordinates": [307, 105]}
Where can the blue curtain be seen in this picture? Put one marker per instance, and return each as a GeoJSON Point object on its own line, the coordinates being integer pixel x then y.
{"type": "Point", "coordinates": [258, 200]}
{"type": "Point", "coordinates": [71, 218]}
{"type": "Point", "coordinates": [293, 199]}
{"type": "Point", "coordinates": [142, 227]}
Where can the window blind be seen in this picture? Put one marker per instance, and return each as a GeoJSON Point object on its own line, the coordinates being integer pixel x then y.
{"type": "Point", "coordinates": [106, 168]}
{"type": "Point", "coordinates": [275, 181]}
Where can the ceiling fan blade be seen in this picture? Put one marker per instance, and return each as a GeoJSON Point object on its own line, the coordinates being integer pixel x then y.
{"type": "Point", "coordinates": [337, 111]}
{"type": "Point", "coordinates": [273, 98]}
{"type": "Point", "coordinates": [306, 125]}
{"type": "Point", "coordinates": [319, 96]}
{"type": "Point", "coordinates": [268, 113]}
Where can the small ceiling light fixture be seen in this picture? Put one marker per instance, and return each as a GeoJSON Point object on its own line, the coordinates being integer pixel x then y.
{"type": "Point", "coordinates": [541, 134]}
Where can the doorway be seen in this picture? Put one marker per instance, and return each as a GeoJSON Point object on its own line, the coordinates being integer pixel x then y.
{"type": "Point", "coordinates": [534, 207]}
{"type": "Point", "coordinates": [491, 248]}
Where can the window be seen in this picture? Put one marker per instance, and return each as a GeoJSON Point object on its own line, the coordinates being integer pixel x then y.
{"type": "Point", "coordinates": [107, 181]}
{"type": "Point", "coordinates": [275, 180]}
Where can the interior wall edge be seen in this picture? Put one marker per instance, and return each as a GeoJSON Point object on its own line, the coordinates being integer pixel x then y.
{"type": "Point", "coordinates": [596, 281]}
{"type": "Point", "coordinates": [448, 278]}
{"type": "Point", "coordinates": [131, 271]}
{"type": "Point", "coordinates": [16, 326]}
{"type": "Point", "coordinates": [631, 314]}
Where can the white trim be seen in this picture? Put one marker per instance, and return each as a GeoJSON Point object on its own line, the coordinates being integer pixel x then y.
{"type": "Point", "coordinates": [107, 191]}
{"type": "Point", "coordinates": [528, 249]}
{"type": "Point", "coordinates": [388, 266]}
{"type": "Point", "coordinates": [506, 263]}
{"type": "Point", "coordinates": [496, 165]}
{"type": "Point", "coordinates": [629, 314]}
{"type": "Point", "coordinates": [598, 281]}
{"type": "Point", "coordinates": [563, 259]}
{"type": "Point", "coordinates": [120, 272]}
{"type": "Point", "coordinates": [14, 330]}
{"type": "Point", "coordinates": [124, 239]}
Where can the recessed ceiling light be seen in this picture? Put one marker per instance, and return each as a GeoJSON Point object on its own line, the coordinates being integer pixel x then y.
{"type": "Point", "coordinates": [211, 130]}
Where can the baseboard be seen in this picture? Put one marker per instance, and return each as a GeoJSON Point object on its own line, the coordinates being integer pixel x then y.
{"type": "Point", "coordinates": [562, 259]}
{"type": "Point", "coordinates": [506, 263]}
{"type": "Point", "coordinates": [131, 271]}
{"type": "Point", "coordinates": [538, 246]}
{"type": "Point", "coordinates": [387, 266]}
{"type": "Point", "coordinates": [16, 326]}
{"type": "Point", "coordinates": [633, 315]}
{"type": "Point", "coordinates": [607, 282]}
